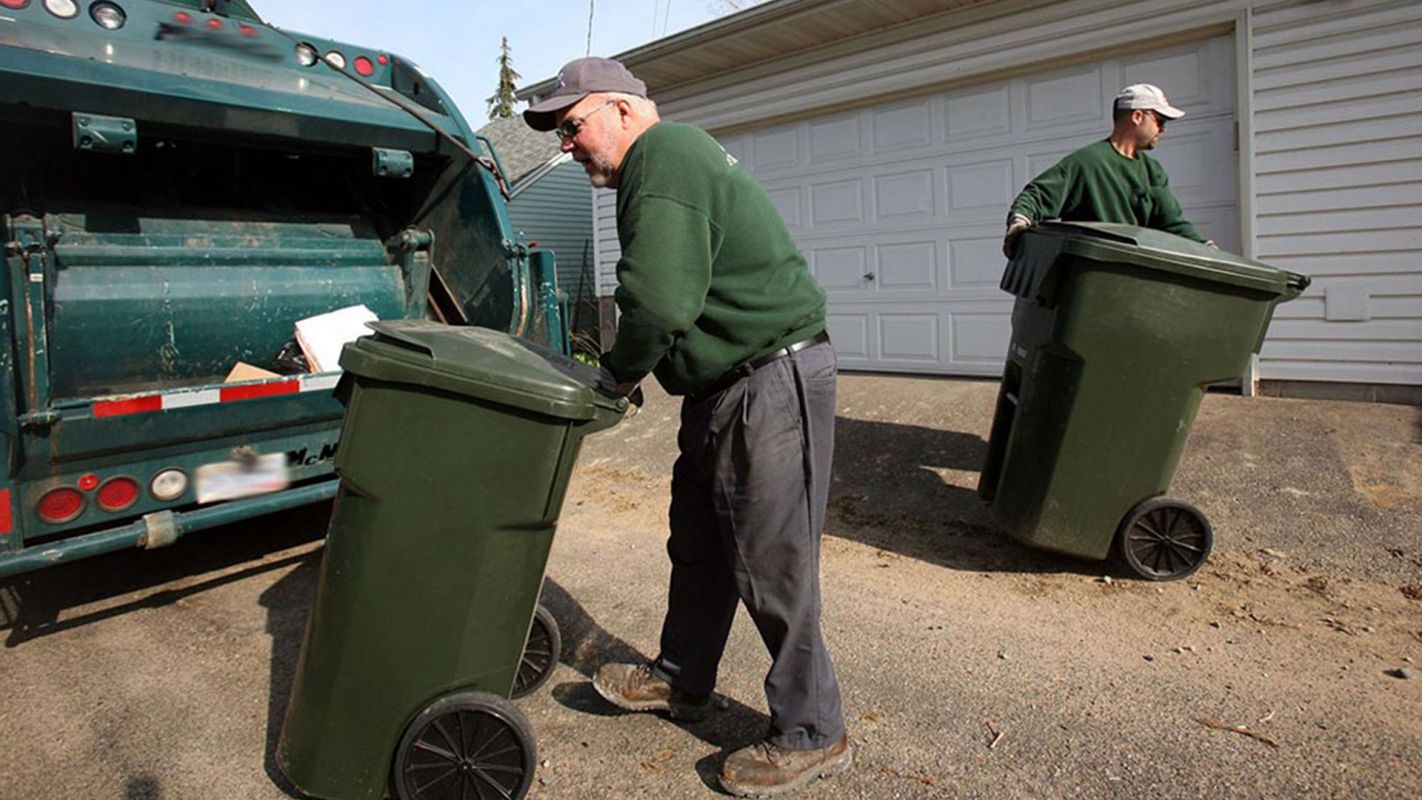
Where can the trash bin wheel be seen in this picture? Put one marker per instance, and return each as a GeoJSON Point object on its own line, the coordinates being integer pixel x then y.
{"type": "Point", "coordinates": [466, 746]}
{"type": "Point", "coordinates": [1164, 539]}
{"type": "Point", "coordinates": [540, 654]}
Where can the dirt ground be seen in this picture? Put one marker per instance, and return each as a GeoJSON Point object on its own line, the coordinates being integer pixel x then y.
{"type": "Point", "coordinates": [971, 666]}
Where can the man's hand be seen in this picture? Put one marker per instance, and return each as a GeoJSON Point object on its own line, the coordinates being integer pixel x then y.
{"type": "Point", "coordinates": [1015, 226]}
{"type": "Point", "coordinates": [607, 384]}
{"type": "Point", "coordinates": [1211, 243]}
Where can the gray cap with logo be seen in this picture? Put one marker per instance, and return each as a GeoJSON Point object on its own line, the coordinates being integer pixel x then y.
{"type": "Point", "coordinates": [578, 79]}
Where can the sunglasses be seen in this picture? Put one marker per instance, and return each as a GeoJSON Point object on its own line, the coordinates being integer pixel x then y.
{"type": "Point", "coordinates": [571, 127]}
{"type": "Point", "coordinates": [1160, 120]}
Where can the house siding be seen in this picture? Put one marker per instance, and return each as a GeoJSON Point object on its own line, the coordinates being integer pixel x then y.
{"type": "Point", "coordinates": [1330, 120]}
{"type": "Point", "coordinates": [555, 211]}
{"type": "Point", "coordinates": [1337, 101]}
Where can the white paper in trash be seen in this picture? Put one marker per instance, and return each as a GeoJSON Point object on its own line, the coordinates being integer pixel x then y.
{"type": "Point", "coordinates": [321, 337]}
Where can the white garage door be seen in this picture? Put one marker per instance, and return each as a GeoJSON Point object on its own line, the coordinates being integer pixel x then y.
{"type": "Point", "coordinates": [899, 207]}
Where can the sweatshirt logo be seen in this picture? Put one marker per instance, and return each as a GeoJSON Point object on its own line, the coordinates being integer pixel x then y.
{"type": "Point", "coordinates": [730, 159]}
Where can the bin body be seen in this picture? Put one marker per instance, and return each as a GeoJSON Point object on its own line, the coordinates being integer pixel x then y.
{"type": "Point", "coordinates": [1115, 335]}
{"type": "Point", "coordinates": [451, 486]}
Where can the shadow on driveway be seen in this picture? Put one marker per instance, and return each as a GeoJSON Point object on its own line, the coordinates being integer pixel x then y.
{"type": "Point", "coordinates": [903, 489]}
{"type": "Point", "coordinates": [587, 645]}
{"type": "Point", "coordinates": [34, 601]}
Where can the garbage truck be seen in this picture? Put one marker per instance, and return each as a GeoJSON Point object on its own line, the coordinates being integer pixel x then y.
{"type": "Point", "coordinates": [181, 184]}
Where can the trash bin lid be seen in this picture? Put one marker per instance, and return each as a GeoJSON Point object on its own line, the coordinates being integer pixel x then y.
{"type": "Point", "coordinates": [1156, 249]}
{"type": "Point", "coordinates": [478, 362]}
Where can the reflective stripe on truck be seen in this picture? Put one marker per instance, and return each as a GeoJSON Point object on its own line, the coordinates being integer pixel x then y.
{"type": "Point", "coordinates": [187, 398]}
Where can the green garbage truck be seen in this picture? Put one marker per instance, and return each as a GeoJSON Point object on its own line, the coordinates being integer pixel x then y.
{"type": "Point", "coordinates": [181, 183]}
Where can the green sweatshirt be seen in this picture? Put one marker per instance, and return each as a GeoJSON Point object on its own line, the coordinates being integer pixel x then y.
{"type": "Point", "coordinates": [1098, 184]}
{"type": "Point", "coordinates": [709, 276]}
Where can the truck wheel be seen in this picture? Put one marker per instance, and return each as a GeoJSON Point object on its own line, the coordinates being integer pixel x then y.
{"type": "Point", "coordinates": [466, 746]}
{"type": "Point", "coordinates": [540, 654]}
{"type": "Point", "coordinates": [1164, 539]}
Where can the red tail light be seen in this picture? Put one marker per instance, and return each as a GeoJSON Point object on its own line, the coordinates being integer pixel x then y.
{"type": "Point", "coordinates": [117, 494]}
{"type": "Point", "coordinates": [364, 67]}
{"type": "Point", "coordinates": [215, 24]}
{"type": "Point", "coordinates": [60, 505]}
{"type": "Point", "coordinates": [183, 17]}
{"type": "Point", "coordinates": [14, 3]}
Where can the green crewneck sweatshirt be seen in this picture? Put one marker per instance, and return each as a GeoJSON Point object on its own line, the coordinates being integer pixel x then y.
{"type": "Point", "coordinates": [1098, 184]}
{"type": "Point", "coordinates": [709, 276]}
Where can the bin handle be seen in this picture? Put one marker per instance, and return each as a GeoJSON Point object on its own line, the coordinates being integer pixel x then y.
{"type": "Point", "coordinates": [397, 333]}
{"type": "Point", "coordinates": [1296, 284]}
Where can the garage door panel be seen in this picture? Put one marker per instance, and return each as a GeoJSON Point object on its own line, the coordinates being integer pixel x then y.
{"type": "Point", "coordinates": [787, 202]}
{"type": "Point", "coordinates": [907, 267]}
{"type": "Point", "coordinates": [930, 338]}
{"type": "Point", "coordinates": [1041, 158]}
{"type": "Point", "coordinates": [976, 261]}
{"type": "Point", "coordinates": [840, 269]}
{"type": "Point", "coordinates": [1198, 77]}
{"type": "Point", "coordinates": [981, 338]}
{"type": "Point", "coordinates": [1200, 161]}
{"type": "Point", "coordinates": [899, 207]}
{"type": "Point", "coordinates": [836, 203]}
{"type": "Point", "coordinates": [981, 112]}
{"type": "Point", "coordinates": [1220, 223]}
{"type": "Point", "coordinates": [776, 148]}
{"type": "Point", "coordinates": [849, 330]}
{"type": "Point", "coordinates": [904, 196]}
{"type": "Point", "coordinates": [902, 126]}
{"type": "Point", "coordinates": [835, 139]}
{"type": "Point", "coordinates": [1064, 97]}
{"type": "Point", "coordinates": [909, 337]}
{"type": "Point", "coordinates": [982, 187]}
{"type": "Point", "coordinates": [927, 262]}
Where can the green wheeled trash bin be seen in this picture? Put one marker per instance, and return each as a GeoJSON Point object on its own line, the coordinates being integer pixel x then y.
{"type": "Point", "coordinates": [455, 455]}
{"type": "Point", "coordinates": [1116, 332]}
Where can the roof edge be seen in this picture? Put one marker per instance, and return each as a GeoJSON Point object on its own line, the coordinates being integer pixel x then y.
{"type": "Point", "coordinates": [706, 31]}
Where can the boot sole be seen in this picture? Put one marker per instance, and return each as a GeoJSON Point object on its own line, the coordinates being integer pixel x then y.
{"type": "Point", "coordinates": [676, 712]}
{"type": "Point", "coordinates": [829, 770]}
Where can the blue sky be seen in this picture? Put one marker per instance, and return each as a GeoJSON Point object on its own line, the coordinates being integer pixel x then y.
{"type": "Point", "coordinates": [457, 41]}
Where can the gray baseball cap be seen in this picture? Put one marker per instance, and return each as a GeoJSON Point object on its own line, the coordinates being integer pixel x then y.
{"type": "Point", "coordinates": [578, 79]}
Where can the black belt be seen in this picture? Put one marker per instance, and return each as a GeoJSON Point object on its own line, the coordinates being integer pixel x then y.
{"type": "Point", "coordinates": [729, 378]}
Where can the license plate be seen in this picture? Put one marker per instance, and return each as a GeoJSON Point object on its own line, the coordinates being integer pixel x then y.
{"type": "Point", "coordinates": [229, 480]}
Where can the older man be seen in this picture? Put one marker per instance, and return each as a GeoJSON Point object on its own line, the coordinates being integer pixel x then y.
{"type": "Point", "coordinates": [1112, 180]}
{"type": "Point", "coordinates": [718, 303]}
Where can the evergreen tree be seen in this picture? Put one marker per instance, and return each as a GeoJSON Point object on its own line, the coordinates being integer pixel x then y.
{"type": "Point", "coordinates": [502, 102]}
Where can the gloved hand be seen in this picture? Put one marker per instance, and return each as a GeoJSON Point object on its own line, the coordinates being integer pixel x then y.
{"type": "Point", "coordinates": [1211, 243]}
{"type": "Point", "coordinates": [1015, 226]}
{"type": "Point", "coordinates": [607, 382]}
{"type": "Point", "coordinates": [608, 385]}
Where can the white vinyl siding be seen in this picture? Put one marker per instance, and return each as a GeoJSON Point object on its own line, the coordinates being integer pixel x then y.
{"type": "Point", "coordinates": [555, 212]}
{"type": "Point", "coordinates": [1338, 188]}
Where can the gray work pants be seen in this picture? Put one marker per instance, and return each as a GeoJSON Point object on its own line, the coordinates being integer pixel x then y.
{"type": "Point", "coordinates": [749, 491]}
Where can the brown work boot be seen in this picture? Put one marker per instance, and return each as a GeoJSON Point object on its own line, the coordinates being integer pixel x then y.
{"type": "Point", "coordinates": [635, 688]}
{"type": "Point", "coordinates": [764, 769]}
